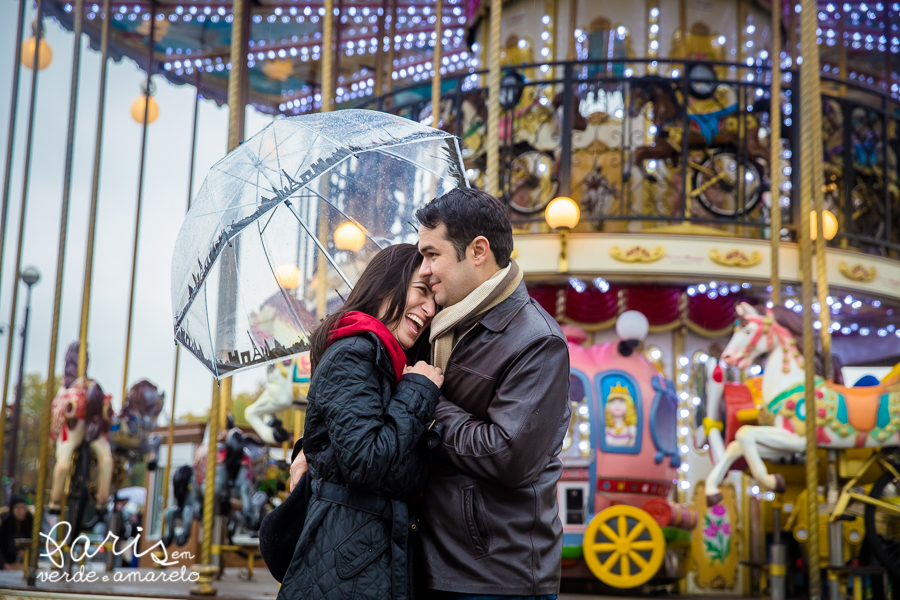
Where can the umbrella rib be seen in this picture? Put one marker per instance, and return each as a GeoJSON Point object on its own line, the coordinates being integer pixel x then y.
{"type": "Point", "coordinates": [269, 220]}
{"type": "Point", "coordinates": [335, 207]}
{"type": "Point", "coordinates": [277, 156]}
{"type": "Point", "coordinates": [312, 145]}
{"type": "Point", "coordinates": [280, 289]}
{"type": "Point", "coordinates": [319, 244]}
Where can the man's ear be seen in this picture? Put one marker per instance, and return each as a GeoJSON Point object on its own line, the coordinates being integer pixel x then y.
{"type": "Point", "coordinates": [480, 250]}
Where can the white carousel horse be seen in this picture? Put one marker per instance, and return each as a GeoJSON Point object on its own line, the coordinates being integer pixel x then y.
{"type": "Point", "coordinates": [286, 386]}
{"type": "Point", "coordinates": [846, 418]}
{"type": "Point", "coordinates": [81, 412]}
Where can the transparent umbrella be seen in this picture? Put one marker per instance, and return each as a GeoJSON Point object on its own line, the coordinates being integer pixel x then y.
{"type": "Point", "coordinates": [283, 226]}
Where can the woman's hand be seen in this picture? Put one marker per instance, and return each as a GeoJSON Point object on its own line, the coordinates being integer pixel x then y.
{"type": "Point", "coordinates": [298, 469]}
{"type": "Point", "coordinates": [423, 368]}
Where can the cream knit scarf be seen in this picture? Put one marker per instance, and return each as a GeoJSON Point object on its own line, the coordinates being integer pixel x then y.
{"type": "Point", "coordinates": [486, 296]}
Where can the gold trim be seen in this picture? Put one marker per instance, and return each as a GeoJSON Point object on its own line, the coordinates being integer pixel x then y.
{"type": "Point", "coordinates": [858, 272]}
{"type": "Point", "coordinates": [735, 258]}
{"type": "Point", "coordinates": [637, 254]}
{"type": "Point", "coordinates": [591, 327]}
{"type": "Point", "coordinates": [709, 333]}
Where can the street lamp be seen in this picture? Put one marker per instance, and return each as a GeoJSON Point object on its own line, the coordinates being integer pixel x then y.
{"type": "Point", "coordinates": [29, 276]}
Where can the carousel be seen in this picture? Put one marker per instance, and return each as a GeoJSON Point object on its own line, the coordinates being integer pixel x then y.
{"type": "Point", "coordinates": [727, 274]}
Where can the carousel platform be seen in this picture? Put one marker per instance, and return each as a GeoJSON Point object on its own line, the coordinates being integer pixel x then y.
{"type": "Point", "coordinates": [232, 586]}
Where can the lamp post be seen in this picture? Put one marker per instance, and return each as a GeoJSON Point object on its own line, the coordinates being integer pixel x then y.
{"type": "Point", "coordinates": [562, 214]}
{"type": "Point", "coordinates": [29, 277]}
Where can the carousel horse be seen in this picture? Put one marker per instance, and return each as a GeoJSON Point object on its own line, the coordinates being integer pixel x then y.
{"type": "Point", "coordinates": [286, 386]}
{"type": "Point", "coordinates": [186, 507]}
{"type": "Point", "coordinates": [709, 130]}
{"type": "Point", "coordinates": [130, 438]}
{"type": "Point", "coordinates": [81, 412]}
{"type": "Point", "coordinates": [861, 417]}
{"type": "Point", "coordinates": [241, 461]}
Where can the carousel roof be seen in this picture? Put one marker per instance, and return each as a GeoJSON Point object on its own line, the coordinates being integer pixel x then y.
{"type": "Point", "coordinates": [192, 44]}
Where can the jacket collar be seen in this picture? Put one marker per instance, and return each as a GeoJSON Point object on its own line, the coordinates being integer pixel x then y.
{"type": "Point", "coordinates": [499, 317]}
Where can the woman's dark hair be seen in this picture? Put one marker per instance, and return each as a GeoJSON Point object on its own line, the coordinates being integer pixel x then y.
{"type": "Point", "coordinates": [468, 213]}
{"type": "Point", "coordinates": [386, 278]}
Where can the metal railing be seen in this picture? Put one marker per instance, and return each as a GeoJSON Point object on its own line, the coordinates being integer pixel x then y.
{"type": "Point", "coordinates": [611, 135]}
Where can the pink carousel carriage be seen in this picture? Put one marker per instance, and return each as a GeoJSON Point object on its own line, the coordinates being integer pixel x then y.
{"type": "Point", "coordinates": [620, 457]}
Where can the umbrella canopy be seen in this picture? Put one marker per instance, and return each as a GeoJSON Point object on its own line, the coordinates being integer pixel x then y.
{"type": "Point", "coordinates": [284, 224]}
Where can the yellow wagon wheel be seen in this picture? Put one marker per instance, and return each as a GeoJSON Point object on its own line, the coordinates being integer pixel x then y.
{"type": "Point", "coordinates": [623, 546]}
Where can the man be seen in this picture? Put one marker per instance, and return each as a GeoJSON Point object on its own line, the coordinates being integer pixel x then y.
{"type": "Point", "coordinates": [491, 527]}
{"type": "Point", "coordinates": [490, 512]}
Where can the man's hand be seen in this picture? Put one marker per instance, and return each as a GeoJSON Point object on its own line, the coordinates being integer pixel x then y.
{"type": "Point", "coordinates": [298, 469]}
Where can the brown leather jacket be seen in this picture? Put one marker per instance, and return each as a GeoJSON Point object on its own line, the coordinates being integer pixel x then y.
{"type": "Point", "coordinates": [490, 510]}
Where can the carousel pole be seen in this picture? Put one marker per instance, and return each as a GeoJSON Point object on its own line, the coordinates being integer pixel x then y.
{"type": "Point", "coordinates": [327, 93]}
{"type": "Point", "coordinates": [22, 210]}
{"type": "Point", "coordinates": [389, 73]}
{"type": "Point", "coordinates": [436, 78]}
{"type": "Point", "coordinates": [778, 556]}
{"type": "Point", "coordinates": [573, 19]}
{"type": "Point", "coordinates": [171, 435]}
{"type": "Point", "coordinates": [10, 147]}
{"type": "Point", "coordinates": [51, 385]}
{"type": "Point", "coordinates": [810, 144]}
{"type": "Point", "coordinates": [10, 144]}
{"type": "Point", "coordinates": [379, 56]}
{"type": "Point", "coordinates": [775, 151]}
{"type": "Point", "coordinates": [95, 193]}
{"type": "Point", "coordinates": [45, 410]}
{"type": "Point", "coordinates": [237, 106]}
{"type": "Point", "coordinates": [493, 148]}
{"type": "Point", "coordinates": [140, 198]}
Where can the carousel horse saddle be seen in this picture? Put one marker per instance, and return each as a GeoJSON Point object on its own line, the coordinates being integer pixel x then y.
{"type": "Point", "coordinates": [863, 408]}
{"type": "Point", "coordinates": [711, 123]}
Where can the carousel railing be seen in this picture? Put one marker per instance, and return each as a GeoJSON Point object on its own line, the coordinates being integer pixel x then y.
{"type": "Point", "coordinates": [609, 134]}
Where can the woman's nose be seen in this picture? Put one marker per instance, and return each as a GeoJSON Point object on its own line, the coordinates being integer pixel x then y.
{"type": "Point", "coordinates": [430, 308]}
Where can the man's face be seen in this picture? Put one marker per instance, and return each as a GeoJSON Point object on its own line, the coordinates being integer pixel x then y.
{"type": "Point", "coordinates": [19, 511]}
{"type": "Point", "coordinates": [451, 280]}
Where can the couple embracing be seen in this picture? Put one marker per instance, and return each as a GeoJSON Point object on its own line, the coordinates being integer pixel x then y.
{"type": "Point", "coordinates": [437, 407]}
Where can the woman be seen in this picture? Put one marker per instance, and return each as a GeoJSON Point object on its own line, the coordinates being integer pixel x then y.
{"type": "Point", "coordinates": [16, 525]}
{"type": "Point", "coordinates": [367, 415]}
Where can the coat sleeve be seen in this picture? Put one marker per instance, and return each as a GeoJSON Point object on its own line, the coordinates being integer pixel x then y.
{"type": "Point", "coordinates": [528, 418]}
{"type": "Point", "coordinates": [374, 441]}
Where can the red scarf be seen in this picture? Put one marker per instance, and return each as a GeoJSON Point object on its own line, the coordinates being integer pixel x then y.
{"type": "Point", "coordinates": [355, 323]}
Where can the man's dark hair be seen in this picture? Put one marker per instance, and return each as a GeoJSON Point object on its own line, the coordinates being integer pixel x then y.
{"type": "Point", "coordinates": [468, 213]}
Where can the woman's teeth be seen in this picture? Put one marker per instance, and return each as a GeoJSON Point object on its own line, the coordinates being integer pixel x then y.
{"type": "Point", "coordinates": [414, 323]}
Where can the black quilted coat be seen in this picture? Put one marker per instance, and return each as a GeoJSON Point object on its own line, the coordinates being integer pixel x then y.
{"type": "Point", "coordinates": [367, 451]}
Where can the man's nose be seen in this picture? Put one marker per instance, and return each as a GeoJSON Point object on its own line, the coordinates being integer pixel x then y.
{"type": "Point", "coordinates": [425, 269]}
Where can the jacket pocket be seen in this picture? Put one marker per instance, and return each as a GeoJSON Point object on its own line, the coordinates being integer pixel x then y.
{"type": "Point", "coordinates": [360, 549]}
{"type": "Point", "coordinates": [473, 517]}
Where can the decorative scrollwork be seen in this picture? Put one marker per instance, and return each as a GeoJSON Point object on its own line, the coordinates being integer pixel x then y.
{"type": "Point", "coordinates": [858, 272]}
{"type": "Point", "coordinates": [735, 258]}
{"type": "Point", "coordinates": [637, 254]}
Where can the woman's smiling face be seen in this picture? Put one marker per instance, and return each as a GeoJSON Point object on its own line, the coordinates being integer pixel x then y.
{"type": "Point", "coordinates": [417, 315]}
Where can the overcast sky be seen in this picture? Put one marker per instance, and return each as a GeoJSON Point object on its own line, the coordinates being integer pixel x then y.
{"type": "Point", "coordinates": [165, 198]}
